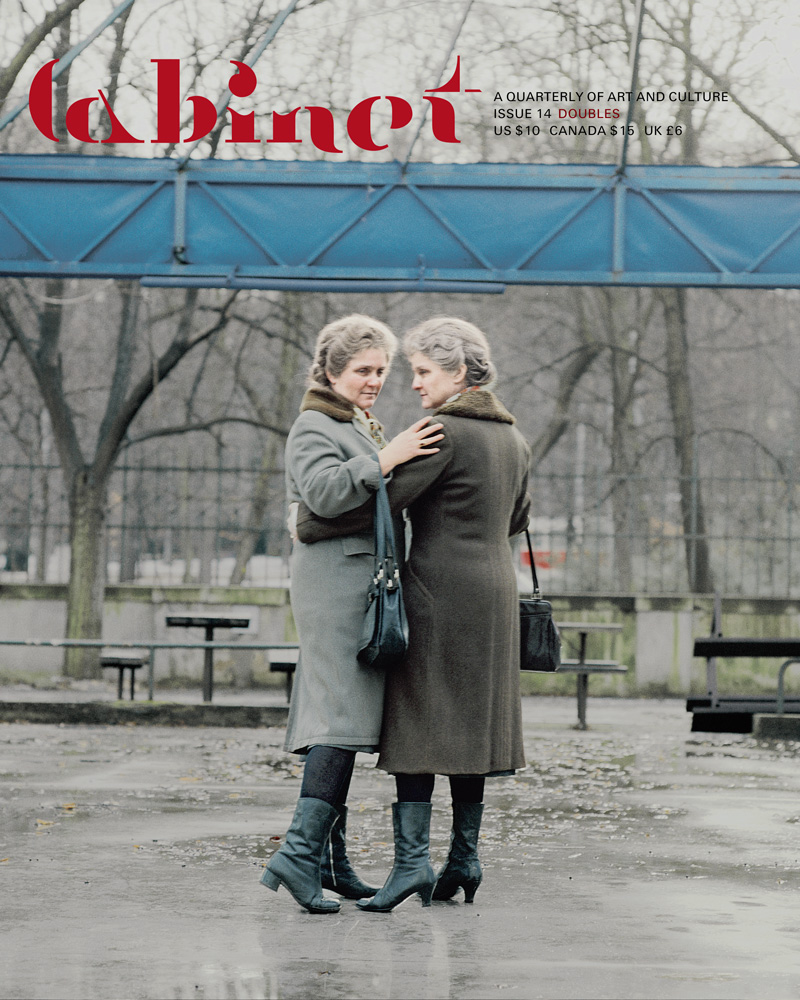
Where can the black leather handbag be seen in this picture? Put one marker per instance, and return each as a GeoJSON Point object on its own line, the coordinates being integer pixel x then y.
{"type": "Point", "coordinates": [539, 638]}
{"type": "Point", "coordinates": [384, 637]}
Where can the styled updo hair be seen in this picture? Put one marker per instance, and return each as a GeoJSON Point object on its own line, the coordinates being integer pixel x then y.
{"type": "Point", "coordinates": [450, 343]}
{"type": "Point", "coordinates": [342, 339]}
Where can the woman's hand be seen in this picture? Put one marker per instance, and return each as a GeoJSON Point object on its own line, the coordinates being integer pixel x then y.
{"type": "Point", "coordinates": [414, 440]}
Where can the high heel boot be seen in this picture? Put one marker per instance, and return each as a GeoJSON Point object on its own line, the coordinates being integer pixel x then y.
{"type": "Point", "coordinates": [412, 870]}
{"type": "Point", "coordinates": [336, 871]}
{"type": "Point", "coordinates": [297, 864]}
{"type": "Point", "coordinates": [462, 867]}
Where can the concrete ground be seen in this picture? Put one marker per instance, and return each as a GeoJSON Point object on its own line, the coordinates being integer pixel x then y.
{"type": "Point", "coordinates": [635, 859]}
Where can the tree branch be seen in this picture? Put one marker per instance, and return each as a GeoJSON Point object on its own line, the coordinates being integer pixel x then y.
{"type": "Point", "coordinates": [203, 426]}
{"type": "Point", "coordinates": [567, 384]}
{"type": "Point", "coordinates": [178, 349]}
{"type": "Point", "coordinates": [718, 81]}
{"type": "Point", "coordinates": [9, 75]}
{"type": "Point", "coordinates": [47, 379]}
{"type": "Point", "coordinates": [126, 335]}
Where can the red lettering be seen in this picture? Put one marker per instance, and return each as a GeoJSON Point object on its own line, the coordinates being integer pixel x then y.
{"type": "Point", "coordinates": [453, 85]}
{"type": "Point", "coordinates": [443, 119]}
{"type": "Point", "coordinates": [242, 84]}
{"type": "Point", "coordinates": [322, 129]}
{"type": "Point", "coordinates": [284, 127]}
{"type": "Point", "coordinates": [40, 100]}
{"type": "Point", "coordinates": [359, 121]}
{"type": "Point", "coordinates": [118, 131]}
{"type": "Point", "coordinates": [443, 114]}
{"type": "Point", "coordinates": [77, 119]}
{"type": "Point", "coordinates": [169, 106]}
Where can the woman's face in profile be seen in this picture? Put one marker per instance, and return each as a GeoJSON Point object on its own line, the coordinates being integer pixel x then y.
{"type": "Point", "coordinates": [362, 378]}
{"type": "Point", "coordinates": [433, 383]}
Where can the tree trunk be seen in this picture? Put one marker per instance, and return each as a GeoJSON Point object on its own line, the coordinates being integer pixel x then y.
{"type": "Point", "coordinates": [87, 574]}
{"type": "Point", "coordinates": [621, 497]}
{"type": "Point", "coordinates": [588, 350]}
{"type": "Point", "coordinates": [623, 337]}
{"type": "Point", "coordinates": [679, 388]}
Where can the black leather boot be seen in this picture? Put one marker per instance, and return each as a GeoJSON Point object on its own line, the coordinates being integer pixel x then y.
{"type": "Point", "coordinates": [412, 870]}
{"type": "Point", "coordinates": [296, 864]}
{"type": "Point", "coordinates": [336, 871]}
{"type": "Point", "coordinates": [463, 869]}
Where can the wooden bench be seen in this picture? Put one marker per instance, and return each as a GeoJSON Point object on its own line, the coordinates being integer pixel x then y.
{"type": "Point", "coordinates": [284, 667]}
{"type": "Point", "coordinates": [123, 663]}
{"type": "Point", "coordinates": [716, 713]}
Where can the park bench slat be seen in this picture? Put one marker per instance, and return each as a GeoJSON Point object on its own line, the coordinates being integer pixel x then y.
{"type": "Point", "coordinates": [745, 646]}
{"type": "Point", "coordinates": [593, 666]}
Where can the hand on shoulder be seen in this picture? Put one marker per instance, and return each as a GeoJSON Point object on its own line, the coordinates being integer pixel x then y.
{"type": "Point", "coordinates": [413, 441]}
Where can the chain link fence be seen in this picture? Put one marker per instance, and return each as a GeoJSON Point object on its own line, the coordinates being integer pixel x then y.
{"type": "Point", "coordinates": [593, 530]}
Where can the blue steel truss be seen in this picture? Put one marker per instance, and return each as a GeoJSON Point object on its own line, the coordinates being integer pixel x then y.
{"type": "Point", "coordinates": [348, 226]}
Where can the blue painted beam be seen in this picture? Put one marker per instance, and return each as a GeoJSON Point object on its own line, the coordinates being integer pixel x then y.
{"type": "Point", "coordinates": [320, 225]}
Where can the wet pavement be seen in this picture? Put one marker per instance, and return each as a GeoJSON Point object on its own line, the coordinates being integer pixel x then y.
{"type": "Point", "coordinates": [635, 859]}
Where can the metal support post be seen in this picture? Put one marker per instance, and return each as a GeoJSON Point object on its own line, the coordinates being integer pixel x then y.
{"type": "Point", "coordinates": [780, 703]}
{"type": "Point", "coordinates": [208, 666]}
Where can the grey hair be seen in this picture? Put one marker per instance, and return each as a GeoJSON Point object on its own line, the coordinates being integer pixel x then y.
{"type": "Point", "coordinates": [343, 339]}
{"type": "Point", "coordinates": [450, 343]}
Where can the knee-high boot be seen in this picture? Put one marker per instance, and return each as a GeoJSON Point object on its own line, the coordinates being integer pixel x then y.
{"type": "Point", "coordinates": [462, 867]}
{"type": "Point", "coordinates": [336, 871]}
{"type": "Point", "coordinates": [297, 864]}
{"type": "Point", "coordinates": [412, 870]}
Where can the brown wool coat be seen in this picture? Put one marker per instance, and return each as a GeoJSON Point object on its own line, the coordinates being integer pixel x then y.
{"type": "Point", "coordinates": [453, 706]}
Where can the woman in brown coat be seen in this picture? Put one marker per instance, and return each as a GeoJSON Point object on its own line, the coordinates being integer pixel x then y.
{"type": "Point", "coordinates": [453, 706]}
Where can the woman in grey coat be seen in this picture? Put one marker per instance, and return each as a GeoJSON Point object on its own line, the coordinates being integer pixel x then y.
{"type": "Point", "coordinates": [335, 456]}
{"type": "Point", "coordinates": [453, 706]}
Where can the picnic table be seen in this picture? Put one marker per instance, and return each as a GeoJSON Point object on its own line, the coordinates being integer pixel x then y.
{"type": "Point", "coordinates": [583, 667]}
{"type": "Point", "coordinates": [579, 665]}
{"type": "Point", "coordinates": [209, 624]}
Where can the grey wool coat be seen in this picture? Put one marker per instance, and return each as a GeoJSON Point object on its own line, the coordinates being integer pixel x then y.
{"type": "Point", "coordinates": [453, 706]}
{"type": "Point", "coordinates": [330, 466]}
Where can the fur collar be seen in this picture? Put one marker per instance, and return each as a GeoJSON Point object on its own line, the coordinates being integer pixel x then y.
{"type": "Point", "coordinates": [325, 400]}
{"type": "Point", "coordinates": [479, 404]}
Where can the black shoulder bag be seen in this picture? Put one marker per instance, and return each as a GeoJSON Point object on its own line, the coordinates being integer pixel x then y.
{"type": "Point", "coordinates": [539, 639]}
{"type": "Point", "coordinates": [384, 637]}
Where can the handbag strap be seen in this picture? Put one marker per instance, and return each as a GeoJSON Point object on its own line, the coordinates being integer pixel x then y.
{"type": "Point", "coordinates": [385, 547]}
{"type": "Point", "coordinates": [536, 591]}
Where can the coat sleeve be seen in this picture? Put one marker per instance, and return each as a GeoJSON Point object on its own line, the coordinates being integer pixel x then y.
{"type": "Point", "coordinates": [522, 507]}
{"type": "Point", "coordinates": [328, 484]}
{"type": "Point", "coordinates": [520, 515]}
{"type": "Point", "coordinates": [409, 481]}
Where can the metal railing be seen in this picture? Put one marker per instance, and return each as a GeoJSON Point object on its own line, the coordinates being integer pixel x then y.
{"type": "Point", "coordinates": [779, 707]}
{"type": "Point", "coordinates": [150, 645]}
